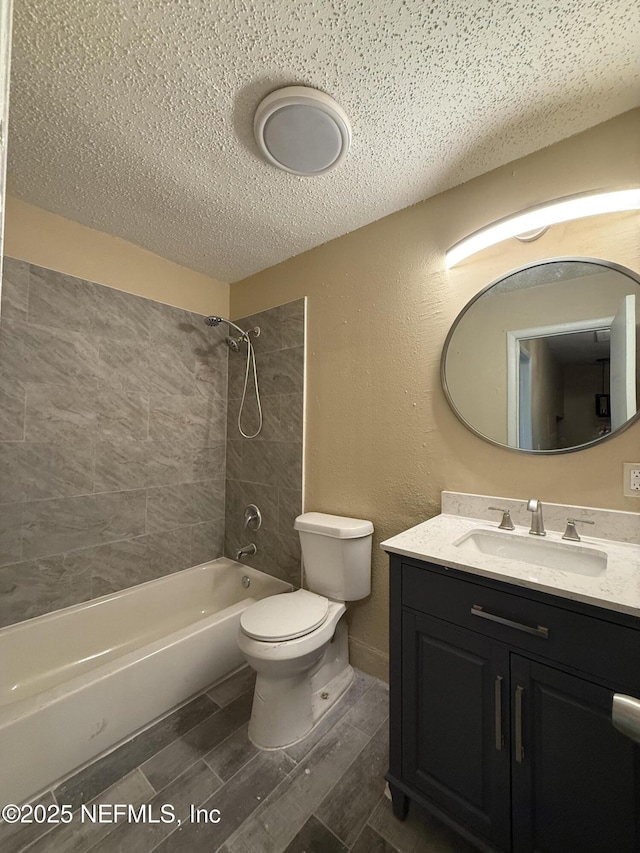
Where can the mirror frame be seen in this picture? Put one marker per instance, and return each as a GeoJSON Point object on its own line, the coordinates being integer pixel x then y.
{"type": "Point", "coordinates": [600, 262]}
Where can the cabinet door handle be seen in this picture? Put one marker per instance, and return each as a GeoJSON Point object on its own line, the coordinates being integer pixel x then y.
{"type": "Point", "coordinates": [625, 715]}
{"type": "Point", "coordinates": [537, 631]}
{"type": "Point", "coordinates": [498, 719]}
{"type": "Point", "coordinates": [519, 749]}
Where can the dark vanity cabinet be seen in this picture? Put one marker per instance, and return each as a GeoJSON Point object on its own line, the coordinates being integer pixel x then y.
{"type": "Point", "coordinates": [501, 713]}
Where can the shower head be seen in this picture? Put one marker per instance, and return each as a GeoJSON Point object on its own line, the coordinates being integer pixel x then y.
{"type": "Point", "coordinates": [215, 321]}
{"type": "Point", "coordinates": [233, 343]}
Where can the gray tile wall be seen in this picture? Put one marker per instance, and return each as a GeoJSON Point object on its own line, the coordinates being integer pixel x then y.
{"type": "Point", "coordinates": [112, 440]}
{"type": "Point", "coordinates": [267, 470]}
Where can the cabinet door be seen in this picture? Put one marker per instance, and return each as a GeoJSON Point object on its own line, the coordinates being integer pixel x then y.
{"type": "Point", "coordinates": [455, 712]}
{"type": "Point", "coordinates": [575, 779]}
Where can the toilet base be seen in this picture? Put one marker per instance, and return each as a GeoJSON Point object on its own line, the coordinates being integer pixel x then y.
{"type": "Point", "coordinates": [324, 699]}
{"type": "Point", "coordinates": [285, 710]}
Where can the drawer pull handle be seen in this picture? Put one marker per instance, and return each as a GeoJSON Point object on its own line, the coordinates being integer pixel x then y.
{"type": "Point", "coordinates": [498, 701]}
{"type": "Point", "coordinates": [519, 747]}
{"type": "Point", "coordinates": [625, 715]}
{"type": "Point", "coordinates": [537, 631]}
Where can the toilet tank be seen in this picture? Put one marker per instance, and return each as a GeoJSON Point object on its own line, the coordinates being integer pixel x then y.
{"type": "Point", "coordinates": [337, 554]}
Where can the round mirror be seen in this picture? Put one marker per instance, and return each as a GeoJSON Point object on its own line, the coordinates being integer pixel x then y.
{"type": "Point", "coordinates": [546, 359]}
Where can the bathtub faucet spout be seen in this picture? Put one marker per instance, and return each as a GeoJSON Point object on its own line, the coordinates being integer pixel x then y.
{"type": "Point", "coordinates": [246, 551]}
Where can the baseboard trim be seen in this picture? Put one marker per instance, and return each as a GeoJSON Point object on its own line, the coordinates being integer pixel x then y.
{"type": "Point", "coordinates": [369, 660]}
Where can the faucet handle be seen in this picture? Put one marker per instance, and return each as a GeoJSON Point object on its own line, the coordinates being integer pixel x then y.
{"type": "Point", "coordinates": [252, 518]}
{"type": "Point", "coordinates": [571, 533]}
{"type": "Point", "coordinates": [506, 523]}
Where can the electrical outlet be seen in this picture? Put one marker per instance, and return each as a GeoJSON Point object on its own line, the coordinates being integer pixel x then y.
{"type": "Point", "coordinates": [631, 481]}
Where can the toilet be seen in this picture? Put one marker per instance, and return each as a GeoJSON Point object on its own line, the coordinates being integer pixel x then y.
{"type": "Point", "coordinates": [297, 641]}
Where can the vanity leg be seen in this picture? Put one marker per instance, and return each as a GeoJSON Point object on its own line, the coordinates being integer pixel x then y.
{"type": "Point", "coordinates": [399, 802]}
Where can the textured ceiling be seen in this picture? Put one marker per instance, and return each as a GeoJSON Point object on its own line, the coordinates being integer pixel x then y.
{"type": "Point", "coordinates": [135, 117]}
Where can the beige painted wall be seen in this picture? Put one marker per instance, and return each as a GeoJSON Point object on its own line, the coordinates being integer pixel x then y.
{"type": "Point", "coordinates": [39, 237]}
{"type": "Point", "coordinates": [382, 442]}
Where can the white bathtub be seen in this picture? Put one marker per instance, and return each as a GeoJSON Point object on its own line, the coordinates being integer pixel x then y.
{"type": "Point", "coordinates": [77, 681]}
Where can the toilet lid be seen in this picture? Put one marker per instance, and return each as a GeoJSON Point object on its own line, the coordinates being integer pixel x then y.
{"type": "Point", "coordinates": [285, 616]}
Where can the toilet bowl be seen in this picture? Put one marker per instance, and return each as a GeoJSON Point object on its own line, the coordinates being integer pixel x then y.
{"type": "Point", "coordinates": [292, 673]}
{"type": "Point", "coordinates": [297, 641]}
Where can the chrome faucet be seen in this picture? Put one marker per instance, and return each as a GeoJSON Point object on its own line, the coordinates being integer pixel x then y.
{"type": "Point", "coordinates": [506, 523]}
{"type": "Point", "coordinates": [534, 506]}
{"type": "Point", "coordinates": [571, 533]}
{"type": "Point", "coordinates": [246, 551]}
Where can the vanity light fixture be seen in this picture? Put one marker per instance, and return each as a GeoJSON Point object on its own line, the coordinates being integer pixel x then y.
{"type": "Point", "coordinates": [543, 215]}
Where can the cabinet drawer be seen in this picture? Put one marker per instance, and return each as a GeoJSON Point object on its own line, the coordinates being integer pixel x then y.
{"type": "Point", "coordinates": [591, 644]}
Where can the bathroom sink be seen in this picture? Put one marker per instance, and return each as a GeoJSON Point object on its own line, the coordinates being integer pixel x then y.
{"type": "Point", "coordinates": [577, 559]}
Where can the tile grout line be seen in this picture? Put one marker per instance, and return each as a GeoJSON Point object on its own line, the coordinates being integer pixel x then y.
{"type": "Point", "coordinates": [372, 827]}
{"type": "Point", "coordinates": [197, 805]}
{"type": "Point", "coordinates": [180, 737]}
{"type": "Point", "coordinates": [224, 784]}
{"type": "Point", "coordinates": [148, 781]}
{"type": "Point", "coordinates": [385, 720]}
{"type": "Point", "coordinates": [328, 828]}
{"type": "Point", "coordinates": [231, 839]}
{"type": "Point", "coordinates": [39, 837]}
{"type": "Point", "coordinates": [176, 828]}
{"type": "Point", "coordinates": [36, 841]}
{"type": "Point", "coordinates": [51, 829]}
{"type": "Point", "coordinates": [297, 766]}
{"type": "Point", "coordinates": [356, 756]}
{"type": "Point", "coordinates": [22, 531]}
{"type": "Point", "coordinates": [114, 826]}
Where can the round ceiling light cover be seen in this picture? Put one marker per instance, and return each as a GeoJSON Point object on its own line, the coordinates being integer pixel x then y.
{"type": "Point", "coordinates": [302, 130]}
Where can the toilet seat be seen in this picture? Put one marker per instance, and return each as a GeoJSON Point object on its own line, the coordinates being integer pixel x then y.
{"type": "Point", "coordinates": [285, 617]}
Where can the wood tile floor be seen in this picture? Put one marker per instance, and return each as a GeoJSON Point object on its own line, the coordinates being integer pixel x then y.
{"type": "Point", "coordinates": [322, 795]}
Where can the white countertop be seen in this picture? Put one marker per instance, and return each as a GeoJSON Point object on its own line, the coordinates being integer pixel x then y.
{"type": "Point", "coordinates": [617, 588]}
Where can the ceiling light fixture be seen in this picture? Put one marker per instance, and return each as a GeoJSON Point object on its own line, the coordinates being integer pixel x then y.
{"type": "Point", "coordinates": [543, 215]}
{"type": "Point", "coordinates": [302, 130]}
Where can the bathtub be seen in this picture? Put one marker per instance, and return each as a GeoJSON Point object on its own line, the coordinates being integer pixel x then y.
{"type": "Point", "coordinates": [80, 680]}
